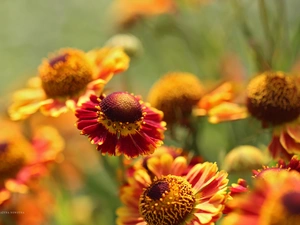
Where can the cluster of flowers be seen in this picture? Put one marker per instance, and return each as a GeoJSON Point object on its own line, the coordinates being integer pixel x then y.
{"type": "Point", "coordinates": [166, 185]}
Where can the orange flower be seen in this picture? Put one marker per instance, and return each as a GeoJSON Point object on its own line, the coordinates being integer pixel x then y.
{"type": "Point", "coordinates": [21, 159]}
{"type": "Point", "coordinates": [173, 196]}
{"type": "Point", "coordinates": [108, 61]}
{"type": "Point", "coordinates": [274, 199]}
{"type": "Point", "coordinates": [121, 123]}
{"type": "Point", "coordinates": [219, 104]}
{"type": "Point", "coordinates": [127, 11]}
{"type": "Point", "coordinates": [30, 208]}
{"type": "Point", "coordinates": [66, 79]}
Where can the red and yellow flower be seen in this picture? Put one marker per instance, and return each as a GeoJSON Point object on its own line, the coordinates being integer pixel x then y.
{"type": "Point", "coordinates": [66, 79]}
{"type": "Point", "coordinates": [23, 159]}
{"type": "Point", "coordinates": [274, 199]}
{"type": "Point", "coordinates": [293, 164]}
{"type": "Point", "coordinates": [121, 123]}
{"type": "Point", "coordinates": [173, 196]}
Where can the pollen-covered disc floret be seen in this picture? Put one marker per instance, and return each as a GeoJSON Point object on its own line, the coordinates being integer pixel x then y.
{"type": "Point", "coordinates": [121, 123]}
{"type": "Point", "coordinates": [65, 74]}
{"type": "Point", "coordinates": [175, 94]}
{"type": "Point", "coordinates": [273, 98]}
{"type": "Point", "coordinates": [167, 201]}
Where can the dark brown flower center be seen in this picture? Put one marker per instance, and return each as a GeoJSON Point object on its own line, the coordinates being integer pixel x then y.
{"type": "Point", "coordinates": [273, 98]}
{"type": "Point", "coordinates": [66, 74]}
{"type": "Point", "coordinates": [121, 107]}
{"type": "Point", "coordinates": [158, 189]}
{"type": "Point", "coordinates": [291, 201]}
{"type": "Point", "coordinates": [3, 147]}
{"type": "Point", "coordinates": [167, 201]}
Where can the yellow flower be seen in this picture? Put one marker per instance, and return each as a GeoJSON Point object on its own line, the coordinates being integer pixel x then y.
{"type": "Point", "coordinates": [128, 11]}
{"type": "Point", "coordinates": [66, 79]}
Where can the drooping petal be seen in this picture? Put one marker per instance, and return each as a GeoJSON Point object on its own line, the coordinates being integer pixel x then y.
{"type": "Point", "coordinates": [276, 149]}
{"type": "Point", "coordinates": [294, 132]}
{"type": "Point", "coordinates": [289, 144]}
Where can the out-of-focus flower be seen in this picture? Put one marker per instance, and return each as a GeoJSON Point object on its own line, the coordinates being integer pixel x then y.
{"type": "Point", "coordinates": [128, 11]}
{"type": "Point", "coordinates": [285, 140]}
{"type": "Point", "coordinates": [243, 158]}
{"type": "Point", "coordinates": [108, 61]}
{"type": "Point", "coordinates": [130, 43]}
{"type": "Point", "coordinates": [34, 208]}
{"type": "Point", "coordinates": [241, 186]}
{"type": "Point", "coordinates": [121, 123]}
{"type": "Point", "coordinates": [293, 164]}
{"type": "Point", "coordinates": [274, 99]}
{"type": "Point", "coordinates": [67, 78]}
{"type": "Point", "coordinates": [224, 102]}
{"type": "Point", "coordinates": [175, 94]}
{"type": "Point", "coordinates": [235, 190]}
{"type": "Point", "coordinates": [197, 197]}
{"type": "Point", "coordinates": [274, 199]}
{"type": "Point", "coordinates": [21, 159]}
{"type": "Point", "coordinates": [219, 104]}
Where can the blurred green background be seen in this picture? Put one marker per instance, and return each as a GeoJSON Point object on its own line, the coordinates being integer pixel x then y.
{"type": "Point", "coordinates": [194, 39]}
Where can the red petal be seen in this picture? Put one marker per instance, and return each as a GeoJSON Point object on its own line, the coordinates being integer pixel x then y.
{"type": "Point", "coordinates": [109, 145]}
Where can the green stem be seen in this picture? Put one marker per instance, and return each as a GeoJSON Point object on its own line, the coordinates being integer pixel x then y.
{"type": "Point", "coordinates": [111, 171]}
{"type": "Point", "coordinates": [192, 136]}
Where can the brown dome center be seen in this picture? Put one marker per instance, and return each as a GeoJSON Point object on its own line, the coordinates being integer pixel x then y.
{"type": "Point", "coordinates": [121, 107]}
